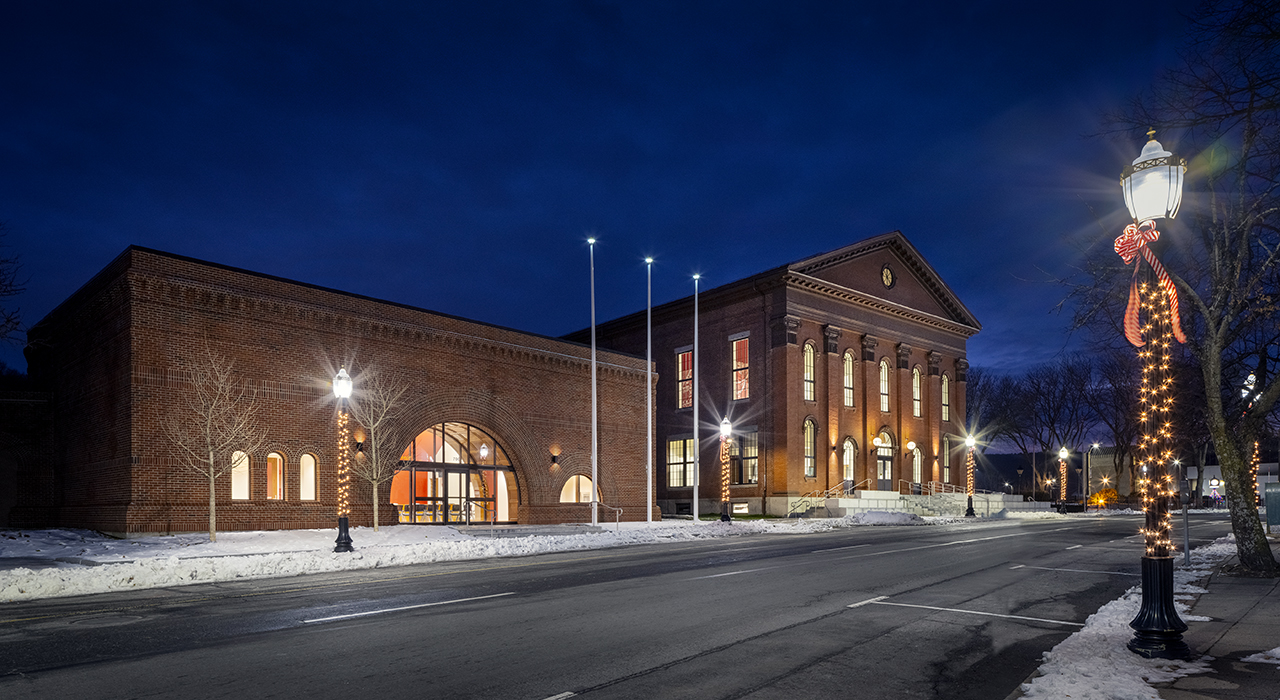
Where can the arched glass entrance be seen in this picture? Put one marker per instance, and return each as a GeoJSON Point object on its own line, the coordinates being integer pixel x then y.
{"type": "Point", "coordinates": [455, 473]}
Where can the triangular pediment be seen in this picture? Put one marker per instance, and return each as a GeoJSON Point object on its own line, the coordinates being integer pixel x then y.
{"type": "Point", "coordinates": [889, 268]}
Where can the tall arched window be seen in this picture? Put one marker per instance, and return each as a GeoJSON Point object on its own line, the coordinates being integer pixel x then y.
{"type": "Point", "coordinates": [848, 459]}
{"type": "Point", "coordinates": [307, 478]}
{"type": "Point", "coordinates": [915, 392]}
{"type": "Point", "coordinates": [848, 379]}
{"type": "Point", "coordinates": [239, 476]}
{"type": "Point", "coordinates": [275, 477]}
{"type": "Point", "coordinates": [578, 490]}
{"type": "Point", "coordinates": [884, 386]}
{"type": "Point", "coordinates": [810, 448]}
{"type": "Point", "coordinates": [917, 466]}
{"type": "Point", "coordinates": [946, 459]}
{"type": "Point", "coordinates": [946, 398]}
{"type": "Point", "coordinates": [808, 372]}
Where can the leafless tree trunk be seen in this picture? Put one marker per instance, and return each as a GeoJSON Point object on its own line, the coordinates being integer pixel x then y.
{"type": "Point", "coordinates": [10, 286]}
{"type": "Point", "coordinates": [216, 416]}
{"type": "Point", "coordinates": [375, 405]}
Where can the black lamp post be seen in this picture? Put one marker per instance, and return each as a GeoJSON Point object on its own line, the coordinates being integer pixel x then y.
{"type": "Point", "coordinates": [968, 476]}
{"type": "Point", "coordinates": [342, 390]}
{"type": "Point", "coordinates": [726, 436]}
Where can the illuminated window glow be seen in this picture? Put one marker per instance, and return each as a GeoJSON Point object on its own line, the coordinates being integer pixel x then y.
{"type": "Point", "coordinates": [680, 462]}
{"type": "Point", "coordinates": [915, 392]}
{"type": "Point", "coordinates": [239, 476]}
{"type": "Point", "coordinates": [741, 368]}
{"type": "Point", "coordinates": [809, 392]}
{"type": "Point", "coordinates": [578, 490]}
{"type": "Point", "coordinates": [307, 478]}
{"type": "Point", "coordinates": [810, 448]}
{"type": "Point", "coordinates": [744, 457]}
{"type": "Point", "coordinates": [684, 379]}
{"type": "Point", "coordinates": [275, 476]}
{"type": "Point", "coordinates": [848, 379]}
{"type": "Point", "coordinates": [884, 386]}
{"type": "Point", "coordinates": [946, 398]}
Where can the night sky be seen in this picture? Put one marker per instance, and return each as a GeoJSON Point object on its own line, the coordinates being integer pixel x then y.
{"type": "Point", "coordinates": [455, 156]}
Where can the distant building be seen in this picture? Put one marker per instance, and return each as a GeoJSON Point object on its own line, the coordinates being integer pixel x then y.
{"type": "Point", "coordinates": [495, 427]}
{"type": "Point", "coordinates": [813, 362]}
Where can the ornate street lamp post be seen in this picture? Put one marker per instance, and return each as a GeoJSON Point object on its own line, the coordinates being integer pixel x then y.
{"type": "Point", "coordinates": [342, 390]}
{"type": "Point", "coordinates": [1062, 476]}
{"type": "Point", "coordinates": [726, 437]}
{"type": "Point", "coordinates": [968, 476]}
{"type": "Point", "coordinates": [1153, 190]}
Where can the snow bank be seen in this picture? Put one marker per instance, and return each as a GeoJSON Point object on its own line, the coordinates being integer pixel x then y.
{"type": "Point", "coordinates": [1271, 656]}
{"type": "Point", "coordinates": [1096, 664]}
{"type": "Point", "coordinates": [54, 563]}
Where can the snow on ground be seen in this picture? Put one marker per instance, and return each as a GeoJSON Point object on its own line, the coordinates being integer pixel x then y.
{"type": "Point", "coordinates": [1271, 656]}
{"type": "Point", "coordinates": [1096, 664]}
{"type": "Point", "coordinates": [54, 563]}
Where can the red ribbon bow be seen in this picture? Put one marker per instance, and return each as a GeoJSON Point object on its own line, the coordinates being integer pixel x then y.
{"type": "Point", "coordinates": [1134, 240]}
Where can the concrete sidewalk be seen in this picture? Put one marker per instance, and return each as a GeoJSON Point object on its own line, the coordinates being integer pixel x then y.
{"type": "Point", "coordinates": [1245, 620]}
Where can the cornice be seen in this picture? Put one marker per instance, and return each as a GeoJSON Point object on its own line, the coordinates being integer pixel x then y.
{"type": "Point", "coordinates": [797, 280]}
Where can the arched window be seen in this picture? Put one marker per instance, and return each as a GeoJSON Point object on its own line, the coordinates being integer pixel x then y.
{"type": "Point", "coordinates": [915, 392]}
{"type": "Point", "coordinates": [275, 477]}
{"type": "Point", "coordinates": [946, 459]}
{"type": "Point", "coordinates": [884, 386]}
{"type": "Point", "coordinates": [946, 398]}
{"type": "Point", "coordinates": [808, 372]}
{"type": "Point", "coordinates": [810, 448]}
{"type": "Point", "coordinates": [848, 459]}
{"type": "Point", "coordinates": [578, 490]}
{"type": "Point", "coordinates": [307, 478]}
{"type": "Point", "coordinates": [917, 466]}
{"type": "Point", "coordinates": [848, 379]}
{"type": "Point", "coordinates": [239, 476]}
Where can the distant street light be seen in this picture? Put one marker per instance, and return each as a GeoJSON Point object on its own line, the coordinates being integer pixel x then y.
{"type": "Point", "coordinates": [726, 437]}
{"type": "Point", "coordinates": [342, 386]}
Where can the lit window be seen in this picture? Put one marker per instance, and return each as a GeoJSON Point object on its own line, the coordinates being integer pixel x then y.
{"type": "Point", "coordinates": [740, 368]}
{"type": "Point", "coordinates": [684, 380]}
{"type": "Point", "coordinates": [275, 476]}
{"type": "Point", "coordinates": [946, 398]}
{"type": "Point", "coordinates": [884, 386]}
{"type": "Point", "coordinates": [578, 490]}
{"type": "Point", "coordinates": [239, 476]}
{"type": "Point", "coordinates": [744, 458]}
{"type": "Point", "coordinates": [680, 458]}
{"type": "Point", "coordinates": [810, 448]}
{"type": "Point", "coordinates": [917, 466]}
{"type": "Point", "coordinates": [946, 459]}
{"type": "Point", "coordinates": [915, 392]}
{"type": "Point", "coordinates": [848, 379]}
{"type": "Point", "coordinates": [808, 372]}
{"type": "Point", "coordinates": [307, 478]}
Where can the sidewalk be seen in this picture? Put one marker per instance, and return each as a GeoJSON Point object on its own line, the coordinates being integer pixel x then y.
{"type": "Point", "coordinates": [1245, 621]}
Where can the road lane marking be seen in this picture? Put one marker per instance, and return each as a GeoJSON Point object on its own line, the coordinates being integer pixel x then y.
{"type": "Point", "coordinates": [407, 607]}
{"type": "Point", "coordinates": [1075, 546]}
{"type": "Point", "coordinates": [836, 549]}
{"type": "Point", "coordinates": [1079, 571]}
{"type": "Point", "coordinates": [955, 542]}
{"type": "Point", "coordinates": [868, 601]}
{"type": "Point", "coordinates": [561, 696]}
{"type": "Point", "coordinates": [977, 612]}
{"type": "Point", "coordinates": [732, 573]}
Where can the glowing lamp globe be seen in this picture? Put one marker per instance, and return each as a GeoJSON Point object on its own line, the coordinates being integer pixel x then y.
{"type": "Point", "coordinates": [1062, 454]}
{"type": "Point", "coordinates": [970, 441]}
{"type": "Point", "coordinates": [725, 428]}
{"type": "Point", "coordinates": [1153, 184]}
{"type": "Point", "coordinates": [342, 384]}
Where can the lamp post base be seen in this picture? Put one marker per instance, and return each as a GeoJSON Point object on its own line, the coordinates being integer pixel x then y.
{"type": "Point", "coordinates": [1157, 630]}
{"type": "Point", "coordinates": [343, 543]}
{"type": "Point", "coordinates": [968, 512]}
{"type": "Point", "coordinates": [724, 511]}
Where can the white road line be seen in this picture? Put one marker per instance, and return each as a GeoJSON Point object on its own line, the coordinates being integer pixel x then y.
{"type": "Point", "coordinates": [976, 612]}
{"type": "Point", "coordinates": [561, 696]}
{"type": "Point", "coordinates": [1083, 571]}
{"type": "Point", "coordinates": [836, 549]}
{"type": "Point", "coordinates": [868, 601]}
{"type": "Point", "coordinates": [406, 607]}
{"type": "Point", "coordinates": [1020, 566]}
{"type": "Point", "coordinates": [731, 573]}
{"type": "Point", "coordinates": [948, 544]}
{"type": "Point", "coordinates": [1075, 546]}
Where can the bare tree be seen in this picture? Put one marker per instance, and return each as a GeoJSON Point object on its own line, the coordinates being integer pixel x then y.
{"type": "Point", "coordinates": [216, 418]}
{"type": "Point", "coordinates": [1222, 103]}
{"type": "Point", "coordinates": [10, 286]}
{"type": "Point", "coordinates": [375, 407]}
{"type": "Point", "coordinates": [1113, 398]}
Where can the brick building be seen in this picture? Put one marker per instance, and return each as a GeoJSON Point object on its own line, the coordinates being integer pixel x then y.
{"type": "Point", "coordinates": [813, 363]}
{"type": "Point", "coordinates": [495, 423]}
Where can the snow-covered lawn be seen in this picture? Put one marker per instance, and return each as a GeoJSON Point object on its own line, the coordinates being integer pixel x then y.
{"type": "Point", "coordinates": [1095, 664]}
{"type": "Point", "coordinates": [53, 563]}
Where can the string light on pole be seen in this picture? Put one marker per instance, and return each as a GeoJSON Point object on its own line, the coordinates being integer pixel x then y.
{"type": "Point", "coordinates": [1062, 474]}
{"type": "Point", "coordinates": [726, 437]}
{"type": "Point", "coordinates": [969, 442]}
{"type": "Point", "coordinates": [1253, 470]}
{"type": "Point", "coordinates": [342, 386]}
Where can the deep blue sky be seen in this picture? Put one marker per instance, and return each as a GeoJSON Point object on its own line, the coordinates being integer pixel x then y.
{"type": "Point", "coordinates": [454, 156]}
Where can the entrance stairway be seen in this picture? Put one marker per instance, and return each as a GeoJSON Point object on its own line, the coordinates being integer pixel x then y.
{"type": "Point", "coordinates": [921, 499]}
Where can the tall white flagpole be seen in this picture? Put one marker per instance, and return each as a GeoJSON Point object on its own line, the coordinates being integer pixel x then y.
{"type": "Point", "coordinates": [697, 447]}
{"type": "Point", "coordinates": [595, 442]}
{"type": "Point", "coordinates": [648, 394]}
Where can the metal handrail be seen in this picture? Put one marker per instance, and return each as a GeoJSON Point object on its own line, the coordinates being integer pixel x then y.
{"type": "Point", "coordinates": [617, 513]}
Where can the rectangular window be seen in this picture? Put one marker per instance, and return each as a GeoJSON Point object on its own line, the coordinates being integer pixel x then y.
{"type": "Point", "coordinates": [740, 368]}
{"type": "Point", "coordinates": [808, 372]}
{"type": "Point", "coordinates": [946, 398]}
{"type": "Point", "coordinates": [684, 378]}
{"type": "Point", "coordinates": [915, 393]}
{"type": "Point", "coordinates": [810, 449]}
{"type": "Point", "coordinates": [848, 380]}
{"type": "Point", "coordinates": [680, 456]}
{"type": "Point", "coordinates": [884, 387]}
{"type": "Point", "coordinates": [240, 476]}
{"type": "Point", "coordinates": [744, 460]}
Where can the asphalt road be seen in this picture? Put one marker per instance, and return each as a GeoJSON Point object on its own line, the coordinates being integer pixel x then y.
{"type": "Point", "coordinates": [938, 612]}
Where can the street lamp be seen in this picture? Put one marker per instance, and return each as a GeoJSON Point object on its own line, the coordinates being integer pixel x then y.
{"type": "Point", "coordinates": [968, 476]}
{"type": "Point", "coordinates": [1062, 475]}
{"type": "Point", "coordinates": [342, 386]}
{"type": "Point", "coordinates": [1088, 473]}
{"type": "Point", "coordinates": [726, 431]}
{"type": "Point", "coordinates": [1152, 188]}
